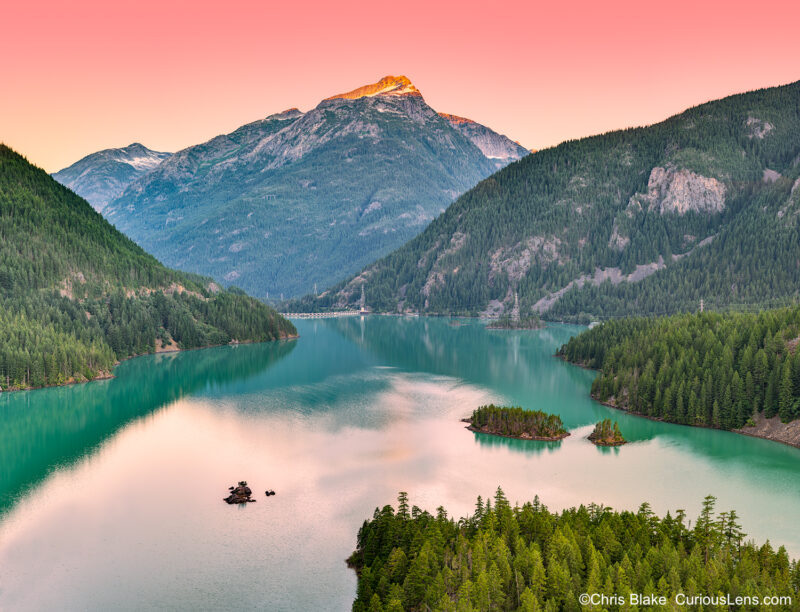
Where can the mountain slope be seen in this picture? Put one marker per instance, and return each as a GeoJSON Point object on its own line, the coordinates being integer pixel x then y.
{"type": "Point", "coordinates": [76, 295]}
{"type": "Point", "coordinates": [299, 199]}
{"type": "Point", "coordinates": [702, 206]}
{"type": "Point", "coordinates": [103, 176]}
{"type": "Point", "coordinates": [493, 145]}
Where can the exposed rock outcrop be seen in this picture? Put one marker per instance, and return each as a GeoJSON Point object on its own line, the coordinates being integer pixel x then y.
{"type": "Point", "coordinates": [600, 276]}
{"type": "Point", "coordinates": [240, 494]}
{"type": "Point", "coordinates": [670, 190]}
{"type": "Point", "coordinates": [492, 145]}
{"type": "Point", "coordinates": [773, 429]}
{"type": "Point", "coordinates": [758, 128]}
{"type": "Point", "coordinates": [387, 86]}
{"type": "Point", "coordinates": [617, 240]}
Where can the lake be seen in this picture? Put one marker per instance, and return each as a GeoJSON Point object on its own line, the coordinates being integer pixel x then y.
{"type": "Point", "coordinates": [111, 491]}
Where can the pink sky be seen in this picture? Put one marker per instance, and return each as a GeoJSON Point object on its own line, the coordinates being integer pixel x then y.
{"type": "Point", "coordinates": [80, 76]}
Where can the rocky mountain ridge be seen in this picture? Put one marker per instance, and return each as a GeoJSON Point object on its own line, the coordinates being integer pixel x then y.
{"type": "Point", "coordinates": [649, 220]}
{"type": "Point", "coordinates": [102, 176]}
{"type": "Point", "coordinates": [299, 199]}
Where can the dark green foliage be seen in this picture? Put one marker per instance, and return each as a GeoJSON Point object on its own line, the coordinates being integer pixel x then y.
{"type": "Point", "coordinates": [516, 422]}
{"type": "Point", "coordinates": [76, 296]}
{"type": "Point", "coordinates": [528, 558]}
{"type": "Point", "coordinates": [607, 433]}
{"type": "Point", "coordinates": [717, 370]}
{"type": "Point", "coordinates": [551, 218]}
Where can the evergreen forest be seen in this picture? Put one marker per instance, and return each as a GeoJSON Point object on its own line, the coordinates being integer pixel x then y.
{"type": "Point", "coordinates": [76, 296]}
{"type": "Point", "coordinates": [527, 558]}
{"type": "Point", "coordinates": [708, 369]}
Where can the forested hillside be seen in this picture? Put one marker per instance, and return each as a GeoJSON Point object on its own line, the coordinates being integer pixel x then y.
{"type": "Point", "coordinates": [716, 370]}
{"type": "Point", "coordinates": [76, 296]}
{"type": "Point", "coordinates": [650, 220]}
{"type": "Point", "coordinates": [528, 558]}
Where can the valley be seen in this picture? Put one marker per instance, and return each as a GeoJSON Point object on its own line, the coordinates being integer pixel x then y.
{"type": "Point", "coordinates": [459, 373]}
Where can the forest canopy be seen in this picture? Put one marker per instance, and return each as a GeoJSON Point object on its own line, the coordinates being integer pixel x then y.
{"type": "Point", "coordinates": [76, 296]}
{"type": "Point", "coordinates": [710, 369]}
{"type": "Point", "coordinates": [528, 558]}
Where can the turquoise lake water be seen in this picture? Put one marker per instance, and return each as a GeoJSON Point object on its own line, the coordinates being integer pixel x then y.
{"type": "Point", "coordinates": [111, 492]}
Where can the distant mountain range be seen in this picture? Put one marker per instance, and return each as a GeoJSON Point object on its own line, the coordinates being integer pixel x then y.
{"type": "Point", "coordinates": [704, 206]}
{"type": "Point", "coordinates": [299, 200]}
{"type": "Point", "coordinates": [103, 176]}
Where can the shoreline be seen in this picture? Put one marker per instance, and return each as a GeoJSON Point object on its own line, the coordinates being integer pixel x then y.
{"type": "Point", "coordinates": [108, 375]}
{"type": "Point", "coordinates": [608, 444]}
{"type": "Point", "coordinates": [750, 434]}
{"type": "Point", "coordinates": [474, 429]}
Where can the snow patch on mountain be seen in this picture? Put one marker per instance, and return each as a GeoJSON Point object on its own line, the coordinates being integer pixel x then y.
{"type": "Point", "coordinates": [101, 177]}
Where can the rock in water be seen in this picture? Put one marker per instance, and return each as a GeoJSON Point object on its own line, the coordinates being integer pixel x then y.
{"type": "Point", "coordinates": [240, 494]}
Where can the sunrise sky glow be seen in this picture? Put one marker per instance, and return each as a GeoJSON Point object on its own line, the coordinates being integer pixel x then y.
{"type": "Point", "coordinates": [86, 75]}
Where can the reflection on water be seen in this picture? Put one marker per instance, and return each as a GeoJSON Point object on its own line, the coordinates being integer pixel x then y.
{"type": "Point", "coordinates": [529, 447]}
{"type": "Point", "coordinates": [53, 427]}
{"type": "Point", "coordinates": [123, 510]}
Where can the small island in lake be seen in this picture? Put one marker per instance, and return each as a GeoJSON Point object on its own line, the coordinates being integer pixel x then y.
{"type": "Point", "coordinates": [240, 494]}
{"type": "Point", "coordinates": [532, 322]}
{"type": "Point", "coordinates": [514, 422]}
{"type": "Point", "coordinates": [607, 433]}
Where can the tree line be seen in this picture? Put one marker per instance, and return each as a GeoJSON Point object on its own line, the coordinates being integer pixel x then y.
{"type": "Point", "coordinates": [709, 369]}
{"type": "Point", "coordinates": [528, 558]}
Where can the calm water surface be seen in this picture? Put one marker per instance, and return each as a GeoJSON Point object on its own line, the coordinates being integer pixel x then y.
{"type": "Point", "coordinates": [111, 492]}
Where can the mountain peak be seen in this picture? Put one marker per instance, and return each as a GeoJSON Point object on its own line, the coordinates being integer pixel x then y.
{"type": "Point", "coordinates": [387, 86]}
{"type": "Point", "coordinates": [289, 113]}
{"type": "Point", "coordinates": [455, 119]}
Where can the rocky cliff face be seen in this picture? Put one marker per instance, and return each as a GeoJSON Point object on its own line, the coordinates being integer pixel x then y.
{"type": "Point", "coordinates": [670, 190]}
{"type": "Point", "coordinates": [493, 145]}
{"type": "Point", "coordinates": [103, 176]}
{"type": "Point", "coordinates": [299, 199]}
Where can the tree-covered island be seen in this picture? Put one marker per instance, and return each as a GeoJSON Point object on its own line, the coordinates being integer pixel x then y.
{"type": "Point", "coordinates": [607, 433]}
{"type": "Point", "coordinates": [514, 422]}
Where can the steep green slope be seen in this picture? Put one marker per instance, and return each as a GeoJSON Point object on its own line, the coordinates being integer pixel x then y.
{"type": "Point", "coordinates": [715, 370]}
{"type": "Point", "coordinates": [300, 199]}
{"type": "Point", "coordinates": [76, 295]}
{"type": "Point", "coordinates": [704, 205]}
